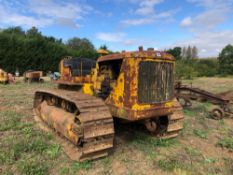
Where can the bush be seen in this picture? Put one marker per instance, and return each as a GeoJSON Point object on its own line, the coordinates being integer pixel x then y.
{"type": "Point", "coordinates": [188, 69]}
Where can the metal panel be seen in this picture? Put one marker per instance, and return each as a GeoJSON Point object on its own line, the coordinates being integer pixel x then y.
{"type": "Point", "coordinates": [155, 82]}
{"type": "Point", "coordinates": [80, 66]}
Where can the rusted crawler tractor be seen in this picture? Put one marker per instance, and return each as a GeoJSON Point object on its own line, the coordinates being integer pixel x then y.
{"type": "Point", "coordinates": [33, 76]}
{"type": "Point", "coordinates": [3, 77]}
{"type": "Point", "coordinates": [131, 86]}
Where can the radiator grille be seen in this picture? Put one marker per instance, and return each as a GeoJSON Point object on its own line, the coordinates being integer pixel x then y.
{"type": "Point", "coordinates": [155, 82]}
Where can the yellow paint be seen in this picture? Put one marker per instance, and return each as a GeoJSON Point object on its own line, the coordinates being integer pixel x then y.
{"type": "Point", "coordinates": [138, 107]}
{"type": "Point", "coordinates": [88, 88]}
{"type": "Point", "coordinates": [118, 91]}
{"type": "Point", "coordinates": [3, 76]}
{"type": "Point", "coordinates": [72, 136]}
{"type": "Point", "coordinates": [169, 104]}
{"type": "Point", "coordinates": [133, 63]}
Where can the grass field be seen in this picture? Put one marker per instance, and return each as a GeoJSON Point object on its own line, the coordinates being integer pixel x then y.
{"type": "Point", "coordinates": [205, 146]}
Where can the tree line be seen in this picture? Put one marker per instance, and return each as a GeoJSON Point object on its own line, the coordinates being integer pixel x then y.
{"type": "Point", "coordinates": [30, 50]}
{"type": "Point", "coordinates": [188, 64]}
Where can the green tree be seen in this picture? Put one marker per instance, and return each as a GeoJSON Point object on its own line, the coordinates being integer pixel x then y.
{"type": "Point", "coordinates": [194, 52]}
{"type": "Point", "coordinates": [14, 31]}
{"type": "Point", "coordinates": [104, 47]}
{"type": "Point", "coordinates": [207, 67]}
{"type": "Point", "coordinates": [84, 47]}
{"type": "Point", "coordinates": [226, 60]}
{"type": "Point", "coordinates": [184, 53]}
{"type": "Point", "coordinates": [30, 50]}
{"type": "Point", "coordinates": [176, 52]}
{"type": "Point", "coordinates": [33, 33]}
{"type": "Point", "coordinates": [189, 53]}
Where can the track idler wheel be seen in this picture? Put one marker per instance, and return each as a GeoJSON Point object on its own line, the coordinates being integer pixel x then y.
{"type": "Point", "coordinates": [217, 113]}
{"type": "Point", "coordinates": [151, 125]}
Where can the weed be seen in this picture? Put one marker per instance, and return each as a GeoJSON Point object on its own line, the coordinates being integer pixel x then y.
{"type": "Point", "coordinates": [7, 172]}
{"type": "Point", "coordinates": [189, 113]}
{"type": "Point", "coordinates": [226, 142]}
{"type": "Point", "coordinates": [7, 157]}
{"type": "Point", "coordinates": [65, 170]}
{"type": "Point", "coordinates": [28, 130]}
{"type": "Point", "coordinates": [81, 166]}
{"type": "Point", "coordinates": [53, 151]}
{"type": "Point", "coordinates": [147, 144]}
{"type": "Point", "coordinates": [192, 152]}
{"type": "Point", "coordinates": [200, 133]}
{"type": "Point", "coordinates": [221, 122]}
{"type": "Point", "coordinates": [209, 160]}
{"type": "Point", "coordinates": [142, 140]}
{"type": "Point", "coordinates": [171, 164]}
{"type": "Point", "coordinates": [37, 145]}
{"type": "Point", "coordinates": [10, 120]}
{"type": "Point", "coordinates": [32, 167]}
{"type": "Point", "coordinates": [107, 161]}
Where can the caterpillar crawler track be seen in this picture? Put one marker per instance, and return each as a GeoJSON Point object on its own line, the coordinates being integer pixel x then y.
{"type": "Point", "coordinates": [175, 124]}
{"type": "Point", "coordinates": [82, 119]}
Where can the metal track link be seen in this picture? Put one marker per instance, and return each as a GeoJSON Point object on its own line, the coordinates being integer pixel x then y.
{"type": "Point", "coordinates": [95, 120]}
{"type": "Point", "coordinates": [175, 122]}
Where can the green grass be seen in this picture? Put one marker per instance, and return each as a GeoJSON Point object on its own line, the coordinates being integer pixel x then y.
{"type": "Point", "coordinates": [33, 167]}
{"type": "Point", "coordinates": [24, 146]}
{"type": "Point", "coordinates": [10, 120]}
{"type": "Point", "coordinates": [75, 167]}
{"type": "Point", "coordinates": [82, 165]}
{"type": "Point", "coordinates": [141, 140]}
{"type": "Point", "coordinates": [192, 152]}
{"type": "Point", "coordinates": [172, 164]}
{"type": "Point", "coordinates": [200, 133]}
{"type": "Point", "coordinates": [53, 151]}
{"type": "Point", "coordinates": [226, 142]}
{"type": "Point", "coordinates": [25, 149]}
{"type": "Point", "coordinates": [147, 144]}
{"type": "Point", "coordinates": [209, 160]}
{"type": "Point", "coordinates": [188, 112]}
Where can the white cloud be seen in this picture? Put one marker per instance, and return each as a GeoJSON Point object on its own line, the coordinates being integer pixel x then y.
{"type": "Point", "coordinates": [209, 43]}
{"type": "Point", "coordinates": [147, 7]}
{"type": "Point", "coordinates": [118, 39]}
{"type": "Point", "coordinates": [215, 13]}
{"type": "Point", "coordinates": [151, 19]}
{"type": "Point", "coordinates": [41, 13]}
{"type": "Point", "coordinates": [50, 8]}
{"type": "Point", "coordinates": [136, 22]}
{"type": "Point", "coordinates": [211, 3]}
{"type": "Point", "coordinates": [145, 13]}
{"type": "Point", "coordinates": [111, 37]}
{"type": "Point", "coordinates": [22, 20]}
{"type": "Point", "coordinates": [186, 22]}
{"type": "Point", "coordinates": [203, 26]}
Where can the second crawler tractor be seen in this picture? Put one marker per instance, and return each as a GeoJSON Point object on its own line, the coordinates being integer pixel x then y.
{"type": "Point", "coordinates": [131, 86]}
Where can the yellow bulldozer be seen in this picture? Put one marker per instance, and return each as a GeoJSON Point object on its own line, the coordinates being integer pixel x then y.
{"type": "Point", "coordinates": [128, 86]}
{"type": "Point", "coordinates": [3, 77]}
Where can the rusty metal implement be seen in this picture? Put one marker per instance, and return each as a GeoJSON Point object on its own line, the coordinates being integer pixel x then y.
{"type": "Point", "coordinates": [187, 93]}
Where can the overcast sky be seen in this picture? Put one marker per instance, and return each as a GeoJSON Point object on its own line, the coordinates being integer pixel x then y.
{"type": "Point", "coordinates": [127, 24]}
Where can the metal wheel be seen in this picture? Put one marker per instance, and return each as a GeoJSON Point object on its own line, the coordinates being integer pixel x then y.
{"type": "Point", "coordinates": [63, 105]}
{"type": "Point", "coordinates": [217, 113]}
